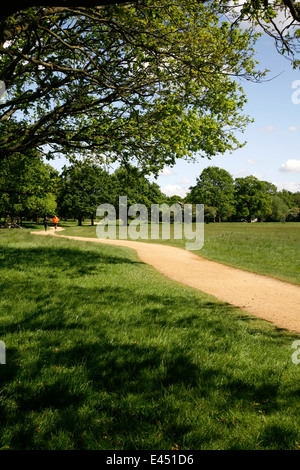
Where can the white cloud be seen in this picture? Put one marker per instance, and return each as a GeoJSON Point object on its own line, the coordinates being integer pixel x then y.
{"type": "Point", "coordinates": [293, 128]}
{"type": "Point", "coordinates": [293, 187]}
{"type": "Point", "coordinates": [244, 173]}
{"type": "Point", "coordinates": [184, 181]}
{"type": "Point", "coordinates": [291, 166]}
{"type": "Point", "coordinates": [166, 172]}
{"type": "Point", "coordinates": [240, 173]}
{"type": "Point", "coordinates": [250, 161]}
{"type": "Point", "coordinates": [268, 129]}
{"type": "Point", "coordinates": [259, 176]}
{"type": "Point", "coordinates": [172, 189]}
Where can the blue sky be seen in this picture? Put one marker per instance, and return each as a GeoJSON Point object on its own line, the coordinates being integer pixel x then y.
{"type": "Point", "coordinates": [272, 152]}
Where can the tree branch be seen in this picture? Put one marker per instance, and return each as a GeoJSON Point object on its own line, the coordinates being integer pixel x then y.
{"type": "Point", "coordinates": [294, 8]}
{"type": "Point", "coordinates": [12, 7]}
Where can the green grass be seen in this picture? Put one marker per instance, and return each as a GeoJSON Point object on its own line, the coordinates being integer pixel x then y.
{"type": "Point", "coordinates": [103, 352]}
{"type": "Point", "coordinates": [271, 249]}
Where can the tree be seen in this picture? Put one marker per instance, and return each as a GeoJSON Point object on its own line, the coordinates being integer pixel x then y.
{"type": "Point", "coordinates": [279, 209]}
{"type": "Point", "coordinates": [280, 19]}
{"type": "Point", "coordinates": [270, 188]}
{"type": "Point", "coordinates": [175, 199]}
{"type": "Point", "coordinates": [40, 206]}
{"type": "Point", "coordinates": [288, 197]}
{"type": "Point", "coordinates": [265, 13]}
{"type": "Point", "coordinates": [12, 7]}
{"type": "Point", "coordinates": [130, 182]}
{"type": "Point", "coordinates": [83, 187]}
{"type": "Point", "coordinates": [145, 83]}
{"type": "Point", "coordinates": [210, 214]}
{"type": "Point", "coordinates": [252, 199]}
{"type": "Point", "coordinates": [214, 188]}
{"type": "Point", "coordinates": [293, 214]}
{"type": "Point", "coordinates": [27, 187]}
{"type": "Point", "coordinates": [296, 197]}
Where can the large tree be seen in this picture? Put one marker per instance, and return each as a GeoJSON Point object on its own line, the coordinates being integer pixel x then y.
{"type": "Point", "coordinates": [83, 186]}
{"type": "Point", "coordinates": [146, 82]}
{"type": "Point", "coordinates": [9, 8]}
{"type": "Point", "coordinates": [214, 188]}
{"type": "Point", "coordinates": [253, 198]}
{"type": "Point", "coordinates": [28, 187]}
{"type": "Point", "coordinates": [130, 182]}
{"type": "Point", "coordinates": [278, 18]}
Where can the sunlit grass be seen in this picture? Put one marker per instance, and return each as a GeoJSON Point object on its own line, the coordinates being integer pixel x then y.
{"type": "Point", "coordinates": [105, 353]}
{"type": "Point", "coordinates": [272, 249]}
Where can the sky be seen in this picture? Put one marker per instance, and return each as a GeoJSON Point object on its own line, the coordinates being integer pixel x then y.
{"type": "Point", "coordinates": [272, 151]}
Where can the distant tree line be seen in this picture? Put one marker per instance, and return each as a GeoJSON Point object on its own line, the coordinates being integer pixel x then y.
{"type": "Point", "coordinates": [31, 189]}
{"type": "Point", "coordinates": [242, 199]}
{"type": "Point", "coordinates": [83, 187]}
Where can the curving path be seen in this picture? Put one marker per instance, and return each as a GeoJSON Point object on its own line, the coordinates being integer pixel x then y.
{"type": "Point", "coordinates": [273, 300]}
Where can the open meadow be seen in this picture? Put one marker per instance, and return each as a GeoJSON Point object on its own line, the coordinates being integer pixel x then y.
{"type": "Point", "coordinates": [272, 249]}
{"type": "Point", "coordinates": [103, 352]}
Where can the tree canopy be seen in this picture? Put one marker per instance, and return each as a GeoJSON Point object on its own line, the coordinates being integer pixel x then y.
{"type": "Point", "coordinates": [84, 186]}
{"type": "Point", "coordinates": [242, 199]}
{"type": "Point", "coordinates": [146, 83]}
{"type": "Point", "coordinates": [253, 200]}
{"type": "Point", "coordinates": [27, 187]}
{"type": "Point", "coordinates": [214, 188]}
{"type": "Point", "coordinates": [278, 18]}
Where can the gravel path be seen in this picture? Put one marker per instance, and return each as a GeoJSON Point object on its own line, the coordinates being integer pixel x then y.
{"type": "Point", "coordinates": [273, 300]}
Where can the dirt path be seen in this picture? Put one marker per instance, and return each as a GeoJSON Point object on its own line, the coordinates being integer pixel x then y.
{"type": "Point", "coordinates": [273, 300]}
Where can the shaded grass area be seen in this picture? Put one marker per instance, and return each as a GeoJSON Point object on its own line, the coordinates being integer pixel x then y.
{"type": "Point", "coordinates": [271, 249]}
{"type": "Point", "coordinates": [105, 353]}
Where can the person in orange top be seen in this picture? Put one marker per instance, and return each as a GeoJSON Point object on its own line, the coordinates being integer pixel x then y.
{"type": "Point", "coordinates": [55, 221]}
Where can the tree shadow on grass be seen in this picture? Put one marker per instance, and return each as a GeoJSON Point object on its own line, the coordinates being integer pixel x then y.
{"type": "Point", "coordinates": [64, 258]}
{"type": "Point", "coordinates": [128, 387]}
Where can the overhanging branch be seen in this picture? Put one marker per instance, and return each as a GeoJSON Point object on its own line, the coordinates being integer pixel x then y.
{"type": "Point", "coordinates": [294, 8]}
{"type": "Point", "coordinates": [9, 8]}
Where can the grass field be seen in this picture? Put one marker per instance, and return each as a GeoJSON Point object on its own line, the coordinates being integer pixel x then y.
{"type": "Point", "coordinates": [103, 352]}
{"type": "Point", "coordinates": [272, 249]}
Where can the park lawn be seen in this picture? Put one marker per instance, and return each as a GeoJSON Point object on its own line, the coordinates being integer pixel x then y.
{"type": "Point", "coordinates": [271, 249]}
{"type": "Point", "coordinates": [103, 352]}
